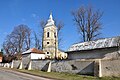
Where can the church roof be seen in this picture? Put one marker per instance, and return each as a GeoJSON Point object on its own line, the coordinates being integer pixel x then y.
{"type": "Point", "coordinates": [97, 44]}
{"type": "Point", "coordinates": [33, 50]}
{"type": "Point", "coordinates": [50, 20]}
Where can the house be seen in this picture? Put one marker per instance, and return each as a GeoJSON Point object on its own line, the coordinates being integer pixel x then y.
{"type": "Point", "coordinates": [107, 48]}
{"type": "Point", "coordinates": [33, 53]}
{"type": "Point", "coordinates": [62, 54]}
{"type": "Point", "coordinates": [1, 56]}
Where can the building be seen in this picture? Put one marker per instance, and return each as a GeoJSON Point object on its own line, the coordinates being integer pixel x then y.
{"type": "Point", "coordinates": [32, 54]}
{"type": "Point", "coordinates": [50, 40]}
{"type": "Point", "coordinates": [107, 48]}
{"type": "Point", "coordinates": [1, 56]}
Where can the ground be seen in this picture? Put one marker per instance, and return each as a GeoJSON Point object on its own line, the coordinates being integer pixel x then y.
{"type": "Point", "coordinates": [7, 74]}
{"type": "Point", "coordinates": [16, 74]}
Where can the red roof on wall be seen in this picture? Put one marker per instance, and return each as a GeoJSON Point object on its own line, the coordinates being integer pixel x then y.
{"type": "Point", "coordinates": [33, 50]}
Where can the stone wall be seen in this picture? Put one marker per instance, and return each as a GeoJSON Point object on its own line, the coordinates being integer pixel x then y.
{"type": "Point", "coordinates": [96, 67]}
{"type": "Point", "coordinates": [88, 67]}
{"type": "Point", "coordinates": [16, 63]}
{"type": "Point", "coordinates": [25, 60]}
{"type": "Point", "coordinates": [40, 64]}
{"type": "Point", "coordinates": [110, 67]}
{"type": "Point", "coordinates": [74, 66]}
{"type": "Point", "coordinates": [70, 66]}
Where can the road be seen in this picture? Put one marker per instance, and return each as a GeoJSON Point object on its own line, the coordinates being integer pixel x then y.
{"type": "Point", "coordinates": [14, 75]}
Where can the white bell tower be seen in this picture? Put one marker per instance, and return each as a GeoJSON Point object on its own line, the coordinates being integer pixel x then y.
{"type": "Point", "coordinates": [50, 39]}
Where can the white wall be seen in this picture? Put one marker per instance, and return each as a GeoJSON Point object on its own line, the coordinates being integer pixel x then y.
{"type": "Point", "coordinates": [37, 56]}
{"type": "Point", "coordinates": [93, 54]}
{"type": "Point", "coordinates": [110, 67]}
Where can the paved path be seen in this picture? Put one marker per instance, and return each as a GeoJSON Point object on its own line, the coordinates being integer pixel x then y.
{"type": "Point", "coordinates": [14, 75]}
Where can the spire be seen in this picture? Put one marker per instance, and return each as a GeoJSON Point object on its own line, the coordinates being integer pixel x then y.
{"type": "Point", "coordinates": [50, 20]}
{"type": "Point", "coordinates": [50, 17]}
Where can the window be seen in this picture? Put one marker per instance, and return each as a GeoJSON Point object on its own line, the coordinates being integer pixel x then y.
{"type": "Point", "coordinates": [55, 35]}
{"type": "Point", "coordinates": [47, 42]}
{"type": "Point", "coordinates": [47, 52]}
{"type": "Point", "coordinates": [48, 34]}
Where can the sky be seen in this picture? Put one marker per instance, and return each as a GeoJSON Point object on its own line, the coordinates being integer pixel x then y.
{"type": "Point", "coordinates": [30, 12]}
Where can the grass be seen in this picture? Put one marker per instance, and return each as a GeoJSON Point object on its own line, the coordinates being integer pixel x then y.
{"type": "Point", "coordinates": [59, 76]}
{"type": "Point", "coordinates": [64, 76]}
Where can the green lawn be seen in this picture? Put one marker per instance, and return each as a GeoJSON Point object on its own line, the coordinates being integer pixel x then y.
{"type": "Point", "coordinates": [66, 76]}
{"type": "Point", "coordinates": [57, 75]}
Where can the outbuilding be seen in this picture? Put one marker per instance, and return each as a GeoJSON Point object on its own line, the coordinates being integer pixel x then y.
{"type": "Point", "coordinates": [107, 48]}
{"type": "Point", "coordinates": [33, 53]}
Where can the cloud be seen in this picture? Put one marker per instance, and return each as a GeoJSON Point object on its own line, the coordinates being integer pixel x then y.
{"type": "Point", "coordinates": [23, 19]}
{"type": "Point", "coordinates": [34, 15]}
{"type": "Point", "coordinates": [4, 34]}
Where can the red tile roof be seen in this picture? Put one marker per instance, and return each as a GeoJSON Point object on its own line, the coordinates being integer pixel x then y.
{"type": "Point", "coordinates": [33, 50]}
{"type": "Point", "coordinates": [36, 51]}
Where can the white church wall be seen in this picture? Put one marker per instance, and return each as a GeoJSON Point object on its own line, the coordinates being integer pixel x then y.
{"type": "Point", "coordinates": [37, 56]}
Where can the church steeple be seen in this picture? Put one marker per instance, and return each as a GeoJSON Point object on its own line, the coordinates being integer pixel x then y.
{"type": "Point", "coordinates": [50, 40]}
{"type": "Point", "coordinates": [50, 20]}
{"type": "Point", "coordinates": [50, 17]}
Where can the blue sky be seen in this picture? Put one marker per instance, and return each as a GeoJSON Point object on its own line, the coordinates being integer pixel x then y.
{"type": "Point", "coordinates": [30, 12]}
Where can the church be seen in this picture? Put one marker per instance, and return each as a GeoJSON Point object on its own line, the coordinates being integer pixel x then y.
{"type": "Point", "coordinates": [50, 44]}
{"type": "Point", "coordinates": [50, 41]}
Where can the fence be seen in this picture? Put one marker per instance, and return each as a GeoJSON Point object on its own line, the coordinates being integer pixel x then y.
{"type": "Point", "coordinates": [96, 67]}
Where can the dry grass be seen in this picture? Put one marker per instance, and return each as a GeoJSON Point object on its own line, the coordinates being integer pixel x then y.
{"type": "Point", "coordinates": [63, 76]}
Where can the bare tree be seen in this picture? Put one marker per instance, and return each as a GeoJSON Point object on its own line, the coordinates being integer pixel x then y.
{"type": "Point", "coordinates": [87, 22]}
{"type": "Point", "coordinates": [8, 46]}
{"type": "Point", "coordinates": [60, 26]}
{"type": "Point", "coordinates": [42, 25]}
{"type": "Point", "coordinates": [28, 37]}
{"type": "Point", "coordinates": [18, 40]}
{"type": "Point", "coordinates": [37, 41]}
{"type": "Point", "coordinates": [21, 35]}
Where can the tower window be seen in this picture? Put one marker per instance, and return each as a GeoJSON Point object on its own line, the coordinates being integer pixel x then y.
{"type": "Point", "coordinates": [55, 35]}
{"type": "Point", "coordinates": [47, 42]}
{"type": "Point", "coordinates": [48, 34]}
{"type": "Point", "coordinates": [47, 52]}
